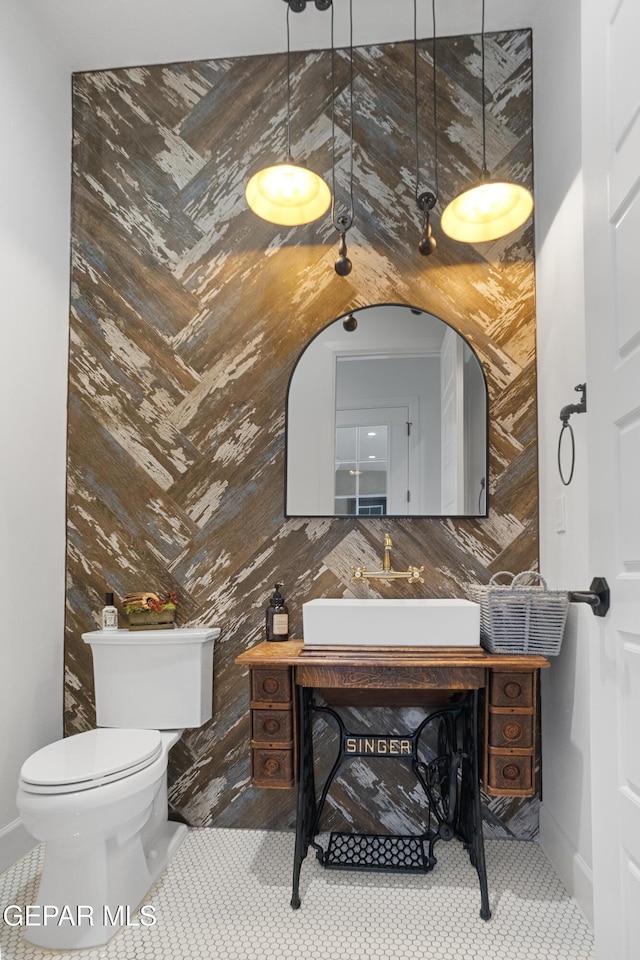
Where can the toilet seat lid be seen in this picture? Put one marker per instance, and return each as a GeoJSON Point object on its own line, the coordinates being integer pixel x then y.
{"type": "Point", "coordinates": [90, 759]}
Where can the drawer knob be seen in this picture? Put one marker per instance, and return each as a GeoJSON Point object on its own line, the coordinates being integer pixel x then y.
{"type": "Point", "coordinates": [512, 730]}
{"type": "Point", "coordinates": [271, 725]}
{"type": "Point", "coordinates": [271, 765]}
{"type": "Point", "coordinates": [271, 685]}
{"type": "Point", "coordinates": [512, 690]}
{"type": "Point", "coordinates": [511, 771]}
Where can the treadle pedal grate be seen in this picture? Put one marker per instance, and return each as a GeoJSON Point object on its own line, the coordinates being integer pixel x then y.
{"type": "Point", "coordinates": [365, 851]}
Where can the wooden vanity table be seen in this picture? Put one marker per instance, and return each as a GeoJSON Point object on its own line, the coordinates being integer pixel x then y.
{"type": "Point", "coordinates": [508, 685]}
{"type": "Point", "coordinates": [494, 696]}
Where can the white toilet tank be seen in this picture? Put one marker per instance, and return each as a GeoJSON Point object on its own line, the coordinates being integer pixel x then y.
{"type": "Point", "coordinates": [153, 679]}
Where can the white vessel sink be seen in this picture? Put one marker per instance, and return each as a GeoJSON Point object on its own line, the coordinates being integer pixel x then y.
{"type": "Point", "coordinates": [391, 623]}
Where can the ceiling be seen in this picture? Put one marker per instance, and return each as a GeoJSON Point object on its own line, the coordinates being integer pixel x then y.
{"type": "Point", "coordinates": [98, 34]}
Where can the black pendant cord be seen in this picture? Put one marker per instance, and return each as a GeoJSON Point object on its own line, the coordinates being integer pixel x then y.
{"type": "Point", "coordinates": [434, 114]}
{"type": "Point", "coordinates": [342, 221]}
{"type": "Point", "coordinates": [289, 158]}
{"type": "Point", "coordinates": [484, 100]}
{"type": "Point", "coordinates": [427, 199]}
{"type": "Point", "coordinates": [297, 6]}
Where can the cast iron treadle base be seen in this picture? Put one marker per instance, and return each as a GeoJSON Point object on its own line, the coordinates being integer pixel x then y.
{"type": "Point", "coordinates": [365, 851]}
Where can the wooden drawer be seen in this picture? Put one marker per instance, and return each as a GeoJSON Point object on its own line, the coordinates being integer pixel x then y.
{"type": "Point", "coordinates": [272, 768]}
{"type": "Point", "coordinates": [272, 726]}
{"type": "Point", "coordinates": [510, 729]}
{"type": "Point", "coordinates": [510, 775]}
{"type": "Point", "coordinates": [271, 686]}
{"type": "Point", "coordinates": [511, 689]}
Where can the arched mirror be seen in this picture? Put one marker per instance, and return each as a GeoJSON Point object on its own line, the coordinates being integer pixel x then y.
{"type": "Point", "coordinates": [387, 416]}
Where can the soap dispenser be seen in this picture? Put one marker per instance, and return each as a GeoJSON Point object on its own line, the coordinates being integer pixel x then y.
{"type": "Point", "coordinates": [277, 617]}
{"type": "Point", "coordinates": [109, 613]}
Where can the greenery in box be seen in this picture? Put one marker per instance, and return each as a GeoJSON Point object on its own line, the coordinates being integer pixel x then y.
{"type": "Point", "coordinates": [144, 602]}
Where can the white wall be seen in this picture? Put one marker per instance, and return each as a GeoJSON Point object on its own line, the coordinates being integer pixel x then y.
{"type": "Point", "coordinates": [565, 813]}
{"type": "Point", "coordinates": [34, 254]}
{"type": "Point", "coordinates": [103, 34]}
{"type": "Point", "coordinates": [565, 823]}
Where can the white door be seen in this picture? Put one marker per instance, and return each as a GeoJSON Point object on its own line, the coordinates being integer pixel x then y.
{"type": "Point", "coordinates": [383, 470]}
{"type": "Point", "coordinates": [611, 143]}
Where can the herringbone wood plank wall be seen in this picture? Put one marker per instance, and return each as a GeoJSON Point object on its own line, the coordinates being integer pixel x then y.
{"type": "Point", "coordinates": [187, 316]}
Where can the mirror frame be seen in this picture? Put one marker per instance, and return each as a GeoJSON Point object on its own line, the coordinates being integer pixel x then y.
{"type": "Point", "coordinates": [396, 516]}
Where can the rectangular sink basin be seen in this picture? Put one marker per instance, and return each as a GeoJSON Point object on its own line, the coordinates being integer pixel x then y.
{"type": "Point", "coordinates": [391, 623]}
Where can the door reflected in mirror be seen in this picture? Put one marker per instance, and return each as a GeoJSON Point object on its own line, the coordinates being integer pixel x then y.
{"type": "Point", "coordinates": [362, 457]}
{"type": "Point", "coordinates": [387, 419]}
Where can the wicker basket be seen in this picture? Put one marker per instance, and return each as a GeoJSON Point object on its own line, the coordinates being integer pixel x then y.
{"type": "Point", "coordinates": [520, 618]}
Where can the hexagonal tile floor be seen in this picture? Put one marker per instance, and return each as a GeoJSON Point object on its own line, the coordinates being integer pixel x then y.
{"type": "Point", "coordinates": [225, 896]}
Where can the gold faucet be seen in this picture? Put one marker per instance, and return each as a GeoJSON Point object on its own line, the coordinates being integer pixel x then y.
{"type": "Point", "coordinates": [387, 572]}
{"type": "Point", "coordinates": [386, 563]}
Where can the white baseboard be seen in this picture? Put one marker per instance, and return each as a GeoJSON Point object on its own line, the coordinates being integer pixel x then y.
{"type": "Point", "coordinates": [573, 870]}
{"type": "Point", "coordinates": [14, 843]}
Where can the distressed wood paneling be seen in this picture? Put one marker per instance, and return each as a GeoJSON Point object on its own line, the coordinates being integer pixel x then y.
{"type": "Point", "coordinates": [188, 314]}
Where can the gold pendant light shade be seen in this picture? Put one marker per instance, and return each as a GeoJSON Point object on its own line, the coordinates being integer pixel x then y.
{"type": "Point", "coordinates": [487, 211]}
{"type": "Point", "coordinates": [288, 194]}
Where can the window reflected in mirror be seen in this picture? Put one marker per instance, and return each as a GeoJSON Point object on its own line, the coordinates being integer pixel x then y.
{"type": "Point", "coordinates": [361, 469]}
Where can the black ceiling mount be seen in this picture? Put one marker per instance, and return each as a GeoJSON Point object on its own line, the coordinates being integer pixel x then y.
{"type": "Point", "coordinates": [297, 6]}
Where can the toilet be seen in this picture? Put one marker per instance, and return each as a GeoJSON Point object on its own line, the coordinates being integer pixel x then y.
{"type": "Point", "coordinates": [98, 799]}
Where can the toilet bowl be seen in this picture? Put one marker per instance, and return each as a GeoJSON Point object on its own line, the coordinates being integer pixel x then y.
{"type": "Point", "coordinates": [105, 824]}
{"type": "Point", "coordinates": [98, 799]}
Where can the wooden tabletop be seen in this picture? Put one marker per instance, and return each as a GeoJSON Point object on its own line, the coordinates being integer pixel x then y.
{"type": "Point", "coordinates": [294, 653]}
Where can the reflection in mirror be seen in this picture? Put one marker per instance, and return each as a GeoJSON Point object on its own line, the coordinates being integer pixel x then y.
{"type": "Point", "coordinates": [387, 419]}
{"type": "Point", "coordinates": [362, 458]}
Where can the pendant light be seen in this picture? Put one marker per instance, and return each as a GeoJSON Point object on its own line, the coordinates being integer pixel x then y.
{"type": "Point", "coordinates": [491, 208]}
{"type": "Point", "coordinates": [426, 200]}
{"type": "Point", "coordinates": [288, 193]}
